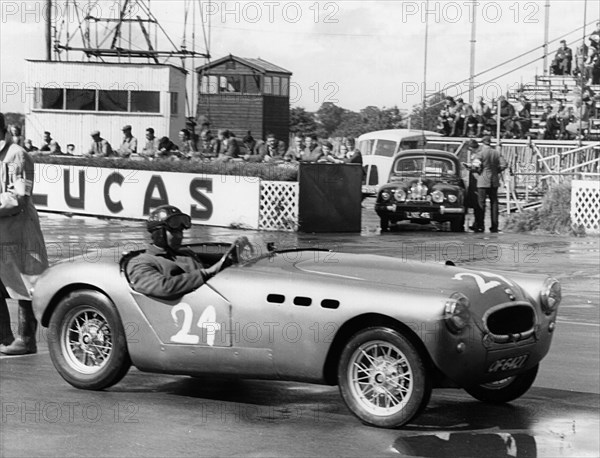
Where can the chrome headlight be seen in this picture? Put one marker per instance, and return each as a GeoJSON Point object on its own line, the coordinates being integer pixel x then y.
{"type": "Point", "coordinates": [437, 196]}
{"type": "Point", "coordinates": [551, 295]}
{"type": "Point", "coordinates": [400, 195]}
{"type": "Point", "coordinates": [456, 312]}
{"type": "Point", "coordinates": [385, 195]}
{"type": "Point", "coordinates": [452, 198]}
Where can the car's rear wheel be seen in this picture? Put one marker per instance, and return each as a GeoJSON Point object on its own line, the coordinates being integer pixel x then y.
{"type": "Point", "coordinates": [87, 341]}
{"type": "Point", "coordinates": [458, 224]}
{"type": "Point", "coordinates": [504, 390]}
{"type": "Point", "coordinates": [383, 378]}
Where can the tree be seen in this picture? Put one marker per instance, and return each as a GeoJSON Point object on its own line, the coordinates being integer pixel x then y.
{"type": "Point", "coordinates": [429, 119]}
{"type": "Point", "coordinates": [302, 121]}
{"type": "Point", "coordinates": [329, 117]}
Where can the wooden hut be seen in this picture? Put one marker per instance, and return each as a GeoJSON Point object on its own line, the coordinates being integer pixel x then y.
{"type": "Point", "coordinates": [245, 94]}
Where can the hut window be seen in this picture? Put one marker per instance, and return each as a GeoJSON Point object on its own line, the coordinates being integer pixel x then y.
{"type": "Point", "coordinates": [252, 84]}
{"type": "Point", "coordinates": [209, 85]}
{"type": "Point", "coordinates": [81, 99]}
{"type": "Point", "coordinates": [112, 100]}
{"type": "Point", "coordinates": [276, 85]}
{"type": "Point", "coordinates": [174, 103]}
{"type": "Point", "coordinates": [268, 85]}
{"type": "Point", "coordinates": [232, 83]}
{"type": "Point", "coordinates": [285, 86]}
{"type": "Point", "coordinates": [145, 101]}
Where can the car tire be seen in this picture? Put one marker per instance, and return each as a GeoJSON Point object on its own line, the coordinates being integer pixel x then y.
{"type": "Point", "coordinates": [382, 377]}
{"type": "Point", "coordinates": [504, 390]}
{"type": "Point", "coordinates": [87, 341]}
{"type": "Point", "coordinates": [457, 224]}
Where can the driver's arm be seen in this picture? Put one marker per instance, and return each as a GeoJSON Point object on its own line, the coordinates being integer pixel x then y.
{"type": "Point", "coordinates": [161, 278]}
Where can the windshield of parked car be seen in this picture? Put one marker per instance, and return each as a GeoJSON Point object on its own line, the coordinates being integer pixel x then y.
{"type": "Point", "coordinates": [433, 166]}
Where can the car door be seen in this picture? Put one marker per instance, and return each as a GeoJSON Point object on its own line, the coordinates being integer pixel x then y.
{"type": "Point", "coordinates": [201, 318]}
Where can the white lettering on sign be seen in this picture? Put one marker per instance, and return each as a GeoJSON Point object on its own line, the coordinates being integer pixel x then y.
{"type": "Point", "coordinates": [481, 283]}
{"type": "Point", "coordinates": [207, 321]}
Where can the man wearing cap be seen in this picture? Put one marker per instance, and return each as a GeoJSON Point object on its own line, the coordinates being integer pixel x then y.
{"type": "Point", "coordinates": [488, 164]}
{"type": "Point", "coordinates": [562, 59]}
{"type": "Point", "coordinates": [129, 145]}
{"type": "Point", "coordinates": [165, 269]}
{"type": "Point", "coordinates": [100, 147]}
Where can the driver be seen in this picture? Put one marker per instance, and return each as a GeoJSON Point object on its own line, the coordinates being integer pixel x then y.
{"type": "Point", "coordinates": [166, 270]}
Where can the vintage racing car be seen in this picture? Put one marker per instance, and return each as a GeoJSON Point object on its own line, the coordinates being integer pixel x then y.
{"type": "Point", "coordinates": [424, 185]}
{"type": "Point", "coordinates": [385, 330]}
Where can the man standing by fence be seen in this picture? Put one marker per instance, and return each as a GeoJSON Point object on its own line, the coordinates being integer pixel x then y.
{"type": "Point", "coordinates": [492, 164]}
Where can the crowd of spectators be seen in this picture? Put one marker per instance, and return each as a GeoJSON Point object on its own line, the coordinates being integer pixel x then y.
{"type": "Point", "coordinates": [223, 147]}
{"type": "Point", "coordinates": [584, 65]}
{"type": "Point", "coordinates": [460, 119]}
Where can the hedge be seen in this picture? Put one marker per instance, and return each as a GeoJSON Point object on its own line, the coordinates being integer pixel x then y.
{"type": "Point", "coordinates": [282, 171]}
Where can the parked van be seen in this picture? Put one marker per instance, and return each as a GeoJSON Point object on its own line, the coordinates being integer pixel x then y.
{"type": "Point", "coordinates": [379, 148]}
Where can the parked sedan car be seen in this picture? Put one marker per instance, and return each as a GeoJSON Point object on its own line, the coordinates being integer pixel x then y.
{"type": "Point", "coordinates": [424, 185]}
{"type": "Point", "coordinates": [385, 330]}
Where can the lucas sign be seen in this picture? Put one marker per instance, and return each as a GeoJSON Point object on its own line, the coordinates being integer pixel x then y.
{"type": "Point", "coordinates": [215, 200]}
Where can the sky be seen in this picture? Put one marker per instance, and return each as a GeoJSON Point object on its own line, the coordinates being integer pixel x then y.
{"type": "Point", "coordinates": [351, 53]}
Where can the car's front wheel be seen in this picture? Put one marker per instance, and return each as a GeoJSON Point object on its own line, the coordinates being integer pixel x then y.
{"type": "Point", "coordinates": [504, 390]}
{"type": "Point", "coordinates": [383, 378]}
{"type": "Point", "coordinates": [87, 341]}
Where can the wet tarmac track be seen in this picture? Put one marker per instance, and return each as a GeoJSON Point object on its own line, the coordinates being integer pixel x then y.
{"type": "Point", "coordinates": [162, 415]}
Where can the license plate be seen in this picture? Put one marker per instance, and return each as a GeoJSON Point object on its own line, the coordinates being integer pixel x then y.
{"type": "Point", "coordinates": [418, 215]}
{"type": "Point", "coordinates": [508, 364]}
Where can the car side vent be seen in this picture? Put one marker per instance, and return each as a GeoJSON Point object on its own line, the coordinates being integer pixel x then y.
{"type": "Point", "coordinates": [303, 301]}
{"type": "Point", "coordinates": [276, 298]}
{"type": "Point", "coordinates": [330, 304]}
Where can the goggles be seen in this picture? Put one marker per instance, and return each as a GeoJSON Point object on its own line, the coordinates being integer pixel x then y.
{"type": "Point", "coordinates": [179, 222]}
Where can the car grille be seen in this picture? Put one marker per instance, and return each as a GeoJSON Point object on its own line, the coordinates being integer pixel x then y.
{"type": "Point", "coordinates": [510, 322]}
{"type": "Point", "coordinates": [412, 198]}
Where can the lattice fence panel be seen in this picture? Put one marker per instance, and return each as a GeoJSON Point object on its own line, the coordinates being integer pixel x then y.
{"type": "Point", "coordinates": [278, 206]}
{"type": "Point", "coordinates": [585, 205]}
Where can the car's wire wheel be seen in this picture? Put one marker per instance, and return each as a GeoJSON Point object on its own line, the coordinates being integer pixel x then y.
{"type": "Point", "coordinates": [86, 339]}
{"type": "Point", "coordinates": [381, 377]}
{"type": "Point", "coordinates": [87, 342]}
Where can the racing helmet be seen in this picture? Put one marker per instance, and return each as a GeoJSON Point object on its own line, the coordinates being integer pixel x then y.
{"type": "Point", "coordinates": [168, 217]}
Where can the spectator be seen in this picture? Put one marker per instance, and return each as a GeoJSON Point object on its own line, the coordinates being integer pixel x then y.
{"type": "Point", "coordinates": [327, 149]}
{"type": "Point", "coordinates": [523, 117]}
{"type": "Point", "coordinates": [187, 146]}
{"type": "Point", "coordinates": [27, 258]}
{"type": "Point", "coordinates": [446, 117]}
{"type": "Point", "coordinates": [492, 164]}
{"type": "Point", "coordinates": [595, 70]}
{"type": "Point", "coordinates": [49, 145]}
{"type": "Point", "coordinates": [469, 122]}
{"type": "Point", "coordinates": [353, 156]}
{"type": "Point", "coordinates": [150, 150]}
{"type": "Point", "coordinates": [99, 147]}
{"type": "Point", "coordinates": [483, 113]}
{"type": "Point", "coordinates": [166, 149]}
{"type": "Point", "coordinates": [29, 147]}
{"type": "Point", "coordinates": [270, 149]}
{"type": "Point", "coordinates": [458, 121]}
{"type": "Point", "coordinates": [229, 146]}
{"type": "Point", "coordinates": [580, 120]}
{"type": "Point", "coordinates": [549, 125]}
{"type": "Point", "coordinates": [249, 143]}
{"type": "Point", "coordinates": [507, 115]}
{"type": "Point", "coordinates": [71, 149]}
{"type": "Point", "coordinates": [312, 151]}
{"type": "Point", "coordinates": [129, 145]}
{"type": "Point", "coordinates": [209, 146]}
{"type": "Point", "coordinates": [472, 200]}
{"type": "Point", "coordinates": [561, 65]}
{"type": "Point", "coordinates": [17, 138]}
{"type": "Point", "coordinates": [563, 117]}
{"type": "Point", "coordinates": [294, 152]}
